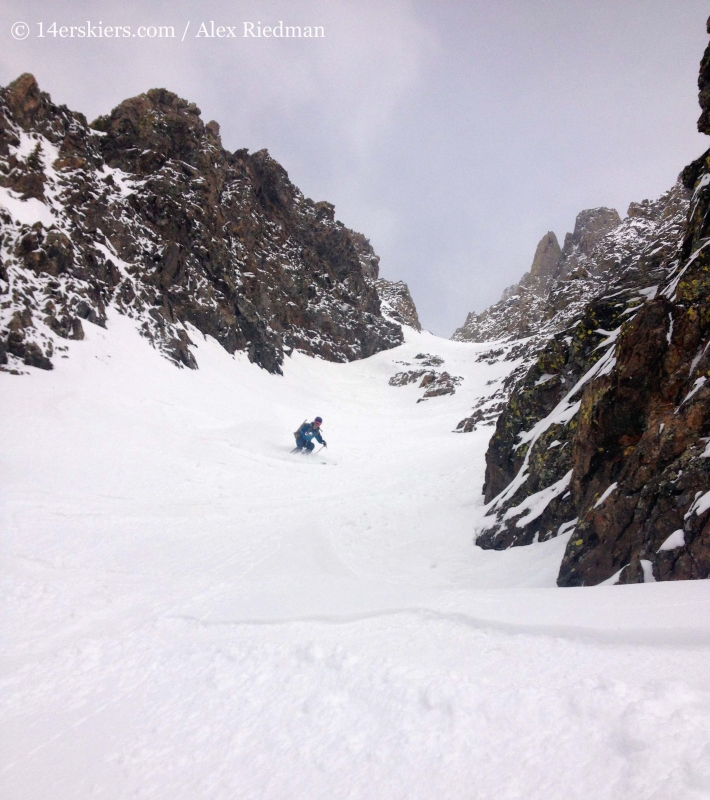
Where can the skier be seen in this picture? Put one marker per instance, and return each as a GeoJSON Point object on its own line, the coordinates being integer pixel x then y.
{"type": "Point", "coordinates": [308, 431]}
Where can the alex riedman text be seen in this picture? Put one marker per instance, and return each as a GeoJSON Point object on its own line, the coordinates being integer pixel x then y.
{"type": "Point", "coordinates": [258, 31]}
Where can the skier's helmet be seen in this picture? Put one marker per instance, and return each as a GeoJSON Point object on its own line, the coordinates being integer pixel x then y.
{"type": "Point", "coordinates": [318, 420]}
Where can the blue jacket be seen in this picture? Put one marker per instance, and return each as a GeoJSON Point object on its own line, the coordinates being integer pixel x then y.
{"type": "Point", "coordinates": [308, 431]}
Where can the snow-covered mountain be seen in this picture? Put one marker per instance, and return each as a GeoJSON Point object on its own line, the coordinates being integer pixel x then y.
{"type": "Point", "coordinates": [145, 211]}
{"type": "Point", "coordinates": [603, 426]}
{"type": "Point", "coordinates": [603, 249]}
{"type": "Point", "coordinates": [603, 433]}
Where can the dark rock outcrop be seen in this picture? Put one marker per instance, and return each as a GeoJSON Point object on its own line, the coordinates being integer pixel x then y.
{"type": "Point", "coordinates": [397, 302]}
{"type": "Point", "coordinates": [531, 453]}
{"type": "Point", "coordinates": [437, 384]}
{"type": "Point", "coordinates": [145, 212]}
{"type": "Point", "coordinates": [553, 301]}
{"type": "Point", "coordinates": [704, 89]}
{"type": "Point", "coordinates": [607, 434]}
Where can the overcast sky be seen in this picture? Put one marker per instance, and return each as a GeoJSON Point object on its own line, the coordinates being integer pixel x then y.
{"type": "Point", "coordinates": [452, 134]}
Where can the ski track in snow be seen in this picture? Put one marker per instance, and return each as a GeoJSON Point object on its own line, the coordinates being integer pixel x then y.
{"type": "Point", "coordinates": [191, 612]}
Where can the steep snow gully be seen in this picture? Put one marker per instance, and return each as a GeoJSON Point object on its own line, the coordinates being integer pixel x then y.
{"type": "Point", "coordinates": [190, 612]}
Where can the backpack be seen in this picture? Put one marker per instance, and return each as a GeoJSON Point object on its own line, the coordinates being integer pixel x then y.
{"type": "Point", "coordinates": [297, 432]}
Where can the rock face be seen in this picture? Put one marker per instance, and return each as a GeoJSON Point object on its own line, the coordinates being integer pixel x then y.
{"type": "Point", "coordinates": [397, 302]}
{"type": "Point", "coordinates": [607, 435]}
{"type": "Point", "coordinates": [145, 212]}
{"type": "Point", "coordinates": [590, 228]}
{"type": "Point", "coordinates": [547, 296]}
{"type": "Point", "coordinates": [704, 90]}
{"type": "Point", "coordinates": [545, 268]}
{"type": "Point", "coordinates": [553, 298]}
{"type": "Point", "coordinates": [436, 384]}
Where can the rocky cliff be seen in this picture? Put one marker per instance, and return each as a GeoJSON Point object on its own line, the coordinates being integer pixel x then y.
{"type": "Point", "coordinates": [397, 302]}
{"type": "Point", "coordinates": [562, 280]}
{"type": "Point", "coordinates": [552, 299]}
{"type": "Point", "coordinates": [145, 212]}
{"type": "Point", "coordinates": [606, 436]}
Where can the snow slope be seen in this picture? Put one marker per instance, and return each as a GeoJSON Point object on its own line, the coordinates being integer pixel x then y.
{"type": "Point", "coordinates": [191, 612]}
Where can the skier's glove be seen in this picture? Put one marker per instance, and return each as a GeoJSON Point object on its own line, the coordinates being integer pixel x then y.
{"type": "Point", "coordinates": [325, 444]}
